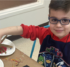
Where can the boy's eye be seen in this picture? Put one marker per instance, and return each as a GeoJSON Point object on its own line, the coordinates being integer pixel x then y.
{"type": "Point", "coordinates": [54, 20]}
{"type": "Point", "coordinates": [65, 20]}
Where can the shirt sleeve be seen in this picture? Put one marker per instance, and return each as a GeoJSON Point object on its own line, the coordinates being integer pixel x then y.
{"type": "Point", "coordinates": [34, 32]}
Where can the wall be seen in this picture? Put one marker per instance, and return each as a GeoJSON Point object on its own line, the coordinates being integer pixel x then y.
{"type": "Point", "coordinates": [5, 4]}
{"type": "Point", "coordinates": [34, 13]}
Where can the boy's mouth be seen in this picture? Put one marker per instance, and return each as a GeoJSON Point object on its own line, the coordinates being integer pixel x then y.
{"type": "Point", "coordinates": [59, 31]}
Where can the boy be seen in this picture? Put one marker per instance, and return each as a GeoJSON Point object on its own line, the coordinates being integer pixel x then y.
{"type": "Point", "coordinates": [58, 35]}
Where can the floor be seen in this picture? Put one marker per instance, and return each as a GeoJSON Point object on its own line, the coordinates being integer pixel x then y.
{"type": "Point", "coordinates": [25, 46]}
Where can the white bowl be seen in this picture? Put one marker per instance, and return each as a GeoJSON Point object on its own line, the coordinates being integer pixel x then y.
{"type": "Point", "coordinates": [9, 51]}
{"type": "Point", "coordinates": [1, 63]}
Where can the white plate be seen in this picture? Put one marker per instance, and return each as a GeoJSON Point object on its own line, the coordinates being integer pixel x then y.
{"type": "Point", "coordinates": [9, 51]}
{"type": "Point", "coordinates": [1, 63]}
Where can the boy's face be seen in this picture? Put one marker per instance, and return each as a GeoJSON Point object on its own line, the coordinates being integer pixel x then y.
{"type": "Point", "coordinates": [57, 29]}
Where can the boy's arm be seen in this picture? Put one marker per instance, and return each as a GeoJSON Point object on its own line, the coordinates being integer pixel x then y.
{"type": "Point", "coordinates": [15, 30]}
{"type": "Point", "coordinates": [25, 31]}
{"type": "Point", "coordinates": [34, 32]}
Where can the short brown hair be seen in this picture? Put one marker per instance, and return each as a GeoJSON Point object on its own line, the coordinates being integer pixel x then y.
{"type": "Point", "coordinates": [60, 5]}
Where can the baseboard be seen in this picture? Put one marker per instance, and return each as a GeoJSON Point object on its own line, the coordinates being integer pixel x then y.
{"type": "Point", "coordinates": [15, 37]}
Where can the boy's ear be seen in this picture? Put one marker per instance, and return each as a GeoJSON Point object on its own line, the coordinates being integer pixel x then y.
{"type": "Point", "coordinates": [48, 14]}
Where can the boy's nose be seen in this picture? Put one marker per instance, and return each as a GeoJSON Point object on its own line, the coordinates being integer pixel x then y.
{"type": "Point", "coordinates": [58, 24]}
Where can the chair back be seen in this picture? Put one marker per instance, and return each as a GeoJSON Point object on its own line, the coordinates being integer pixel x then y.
{"type": "Point", "coordinates": [35, 43]}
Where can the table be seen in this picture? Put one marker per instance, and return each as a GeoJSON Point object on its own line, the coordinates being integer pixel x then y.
{"type": "Point", "coordinates": [23, 60]}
